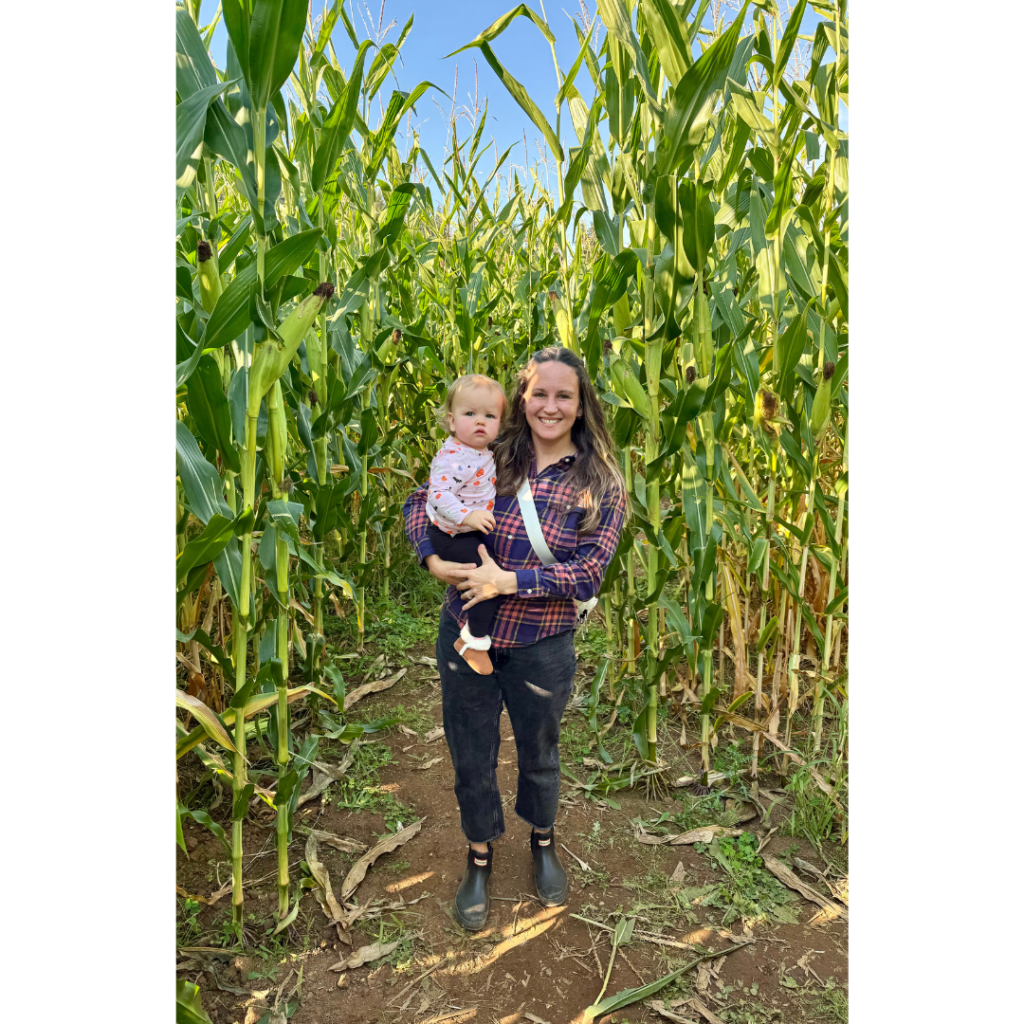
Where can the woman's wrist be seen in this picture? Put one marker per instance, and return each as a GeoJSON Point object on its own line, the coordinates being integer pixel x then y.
{"type": "Point", "coordinates": [509, 583]}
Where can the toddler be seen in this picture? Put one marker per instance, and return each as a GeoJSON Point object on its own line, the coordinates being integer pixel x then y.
{"type": "Point", "coordinates": [461, 498]}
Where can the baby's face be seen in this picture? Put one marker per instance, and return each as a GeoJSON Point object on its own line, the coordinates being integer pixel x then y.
{"type": "Point", "coordinates": [476, 415]}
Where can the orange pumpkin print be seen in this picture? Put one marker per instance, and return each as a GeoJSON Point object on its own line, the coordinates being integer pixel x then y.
{"type": "Point", "coordinates": [480, 471]}
{"type": "Point", "coordinates": [490, 505]}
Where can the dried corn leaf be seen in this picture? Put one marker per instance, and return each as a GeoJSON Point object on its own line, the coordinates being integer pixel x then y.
{"type": "Point", "coordinates": [788, 878]}
{"type": "Point", "coordinates": [358, 870]}
{"type": "Point", "coordinates": [365, 954]}
{"type": "Point", "coordinates": [338, 842]}
{"type": "Point", "coordinates": [324, 893]}
{"type": "Point", "coordinates": [428, 764]}
{"type": "Point", "coordinates": [373, 687]}
{"type": "Point", "coordinates": [660, 1008]}
{"type": "Point", "coordinates": [434, 734]}
{"type": "Point", "coordinates": [695, 835]}
{"type": "Point", "coordinates": [697, 1006]}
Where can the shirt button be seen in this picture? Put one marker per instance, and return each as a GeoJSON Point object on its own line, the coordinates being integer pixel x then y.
{"type": "Point", "coordinates": [529, 591]}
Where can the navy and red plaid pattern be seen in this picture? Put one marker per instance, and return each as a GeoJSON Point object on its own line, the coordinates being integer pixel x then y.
{"type": "Point", "coordinates": [544, 604]}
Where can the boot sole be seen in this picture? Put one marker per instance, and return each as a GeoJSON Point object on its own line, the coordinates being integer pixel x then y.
{"type": "Point", "coordinates": [470, 927]}
{"type": "Point", "coordinates": [554, 902]}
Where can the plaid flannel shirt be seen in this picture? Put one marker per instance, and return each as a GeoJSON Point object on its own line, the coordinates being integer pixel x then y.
{"type": "Point", "coordinates": [543, 604]}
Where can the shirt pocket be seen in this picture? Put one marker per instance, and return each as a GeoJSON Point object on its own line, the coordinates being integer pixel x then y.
{"type": "Point", "coordinates": [561, 528]}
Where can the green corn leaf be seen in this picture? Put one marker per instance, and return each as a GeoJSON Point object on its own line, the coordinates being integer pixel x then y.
{"type": "Point", "coordinates": [616, 16]}
{"type": "Point", "coordinates": [496, 28]}
{"type": "Point", "coordinates": [522, 97]}
{"type": "Point", "coordinates": [791, 348]}
{"type": "Point", "coordinates": [199, 479]}
{"type": "Point", "coordinates": [667, 27]}
{"type": "Point", "coordinates": [205, 548]}
{"type": "Point", "coordinates": [190, 124]}
{"type": "Point", "coordinates": [188, 1002]}
{"type": "Point", "coordinates": [788, 41]}
{"type": "Point", "coordinates": [206, 717]}
{"type": "Point", "coordinates": [766, 634]}
{"type": "Point", "coordinates": [204, 819]}
{"type": "Point", "coordinates": [237, 20]}
{"type": "Point", "coordinates": [723, 374]}
{"type": "Point", "coordinates": [337, 125]}
{"type": "Point", "coordinates": [691, 103]}
{"type": "Point", "coordinates": [209, 409]}
{"type": "Point", "coordinates": [757, 553]}
{"type": "Point", "coordinates": [275, 35]}
{"type": "Point", "coordinates": [570, 77]}
{"type": "Point", "coordinates": [230, 316]}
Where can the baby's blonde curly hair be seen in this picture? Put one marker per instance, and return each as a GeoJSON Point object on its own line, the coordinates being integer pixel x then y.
{"type": "Point", "coordinates": [463, 383]}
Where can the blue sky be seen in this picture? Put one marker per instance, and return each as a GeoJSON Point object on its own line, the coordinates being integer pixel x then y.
{"type": "Point", "coordinates": [441, 26]}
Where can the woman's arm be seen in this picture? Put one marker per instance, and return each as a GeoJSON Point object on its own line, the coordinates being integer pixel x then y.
{"type": "Point", "coordinates": [579, 577]}
{"type": "Point", "coordinates": [415, 512]}
{"type": "Point", "coordinates": [416, 522]}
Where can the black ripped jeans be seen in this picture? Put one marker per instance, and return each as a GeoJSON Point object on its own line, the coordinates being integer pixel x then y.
{"type": "Point", "coordinates": [534, 683]}
{"type": "Point", "coordinates": [462, 547]}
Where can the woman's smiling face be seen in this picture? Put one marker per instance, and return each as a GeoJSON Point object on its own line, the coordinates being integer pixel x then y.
{"type": "Point", "coordinates": [552, 401]}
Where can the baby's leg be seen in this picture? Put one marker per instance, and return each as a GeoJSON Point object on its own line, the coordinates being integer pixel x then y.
{"type": "Point", "coordinates": [472, 644]}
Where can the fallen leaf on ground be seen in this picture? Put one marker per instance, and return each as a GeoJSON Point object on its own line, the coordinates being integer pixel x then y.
{"type": "Point", "coordinates": [434, 734]}
{"type": "Point", "coordinates": [366, 954]}
{"type": "Point", "coordinates": [788, 878]}
{"type": "Point", "coordinates": [338, 842]}
{"type": "Point", "coordinates": [704, 978]}
{"type": "Point", "coordinates": [408, 732]}
{"type": "Point", "coordinates": [679, 875]}
{"type": "Point", "coordinates": [659, 1007]}
{"type": "Point", "coordinates": [695, 835]}
{"type": "Point", "coordinates": [428, 764]}
{"type": "Point", "coordinates": [375, 687]}
{"type": "Point", "coordinates": [323, 892]}
{"type": "Point", "coordinates": [358, 870]}
{"type": "Point", "coordinates": [711, 1017]}
{"type": "Point", "coordinates": [807, 868]}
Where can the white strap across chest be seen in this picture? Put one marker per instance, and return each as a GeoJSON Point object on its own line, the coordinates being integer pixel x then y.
{"type": "Point", "coordinates": [529, 513]}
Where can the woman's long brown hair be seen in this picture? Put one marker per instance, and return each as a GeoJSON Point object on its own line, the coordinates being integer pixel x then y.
{"type": "Point", "coordinates": [594, 474]}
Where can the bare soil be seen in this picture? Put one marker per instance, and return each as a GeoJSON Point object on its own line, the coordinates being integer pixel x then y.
{"type": "Point", "coordinates": [530, 964]}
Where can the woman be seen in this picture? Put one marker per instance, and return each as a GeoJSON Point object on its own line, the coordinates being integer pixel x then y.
{"type": "Point", "coordinates": [555, 437]}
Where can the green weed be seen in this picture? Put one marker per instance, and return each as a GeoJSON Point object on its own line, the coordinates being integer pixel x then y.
{"type": "Point", "coordinates": [731, 757]}
{"type": "Point", "coordinates": [749, 892]}
{"type": "Point", "coordinates": [832, 1005]}
{"type": "Point", "coordinates": [188, 920]}
{"type": "Point", "coordinates": [360, 789]}
{"type": "Point", "coordinates": [815, 816]}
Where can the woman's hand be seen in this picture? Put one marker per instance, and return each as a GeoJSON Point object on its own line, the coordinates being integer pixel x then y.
{"type": "Point", "coordinates": [480, 583]}
{"type": "Point", "coordinates": [444, 571]}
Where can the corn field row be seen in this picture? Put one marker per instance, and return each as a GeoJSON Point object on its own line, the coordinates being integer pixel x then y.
{"type": "Point", "coordinates": [330, 287]}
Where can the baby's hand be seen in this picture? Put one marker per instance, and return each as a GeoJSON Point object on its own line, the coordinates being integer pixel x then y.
{"type": "Point", "coordinates": [479, 519]}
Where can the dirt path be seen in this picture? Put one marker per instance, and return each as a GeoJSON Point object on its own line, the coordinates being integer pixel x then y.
{"type": "Point", "coordinates": [530, 964]}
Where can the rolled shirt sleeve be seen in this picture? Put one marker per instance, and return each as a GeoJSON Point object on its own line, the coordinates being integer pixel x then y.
{"type": "Point", "coordinates": [415, 512]}
{"type": "Point", "coordinates": [579, 577]}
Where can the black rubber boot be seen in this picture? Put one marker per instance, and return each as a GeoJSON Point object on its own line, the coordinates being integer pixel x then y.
{"type": "Point", "coordinates": [471, 901]}
{"type": "Point", "coordinates": [548, 873]}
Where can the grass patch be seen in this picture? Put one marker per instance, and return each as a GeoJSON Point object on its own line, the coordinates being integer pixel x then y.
{"type": "Point", "coordinates": [360, 789]}
{"type": "Point", "coordinates": [832, 1005]}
